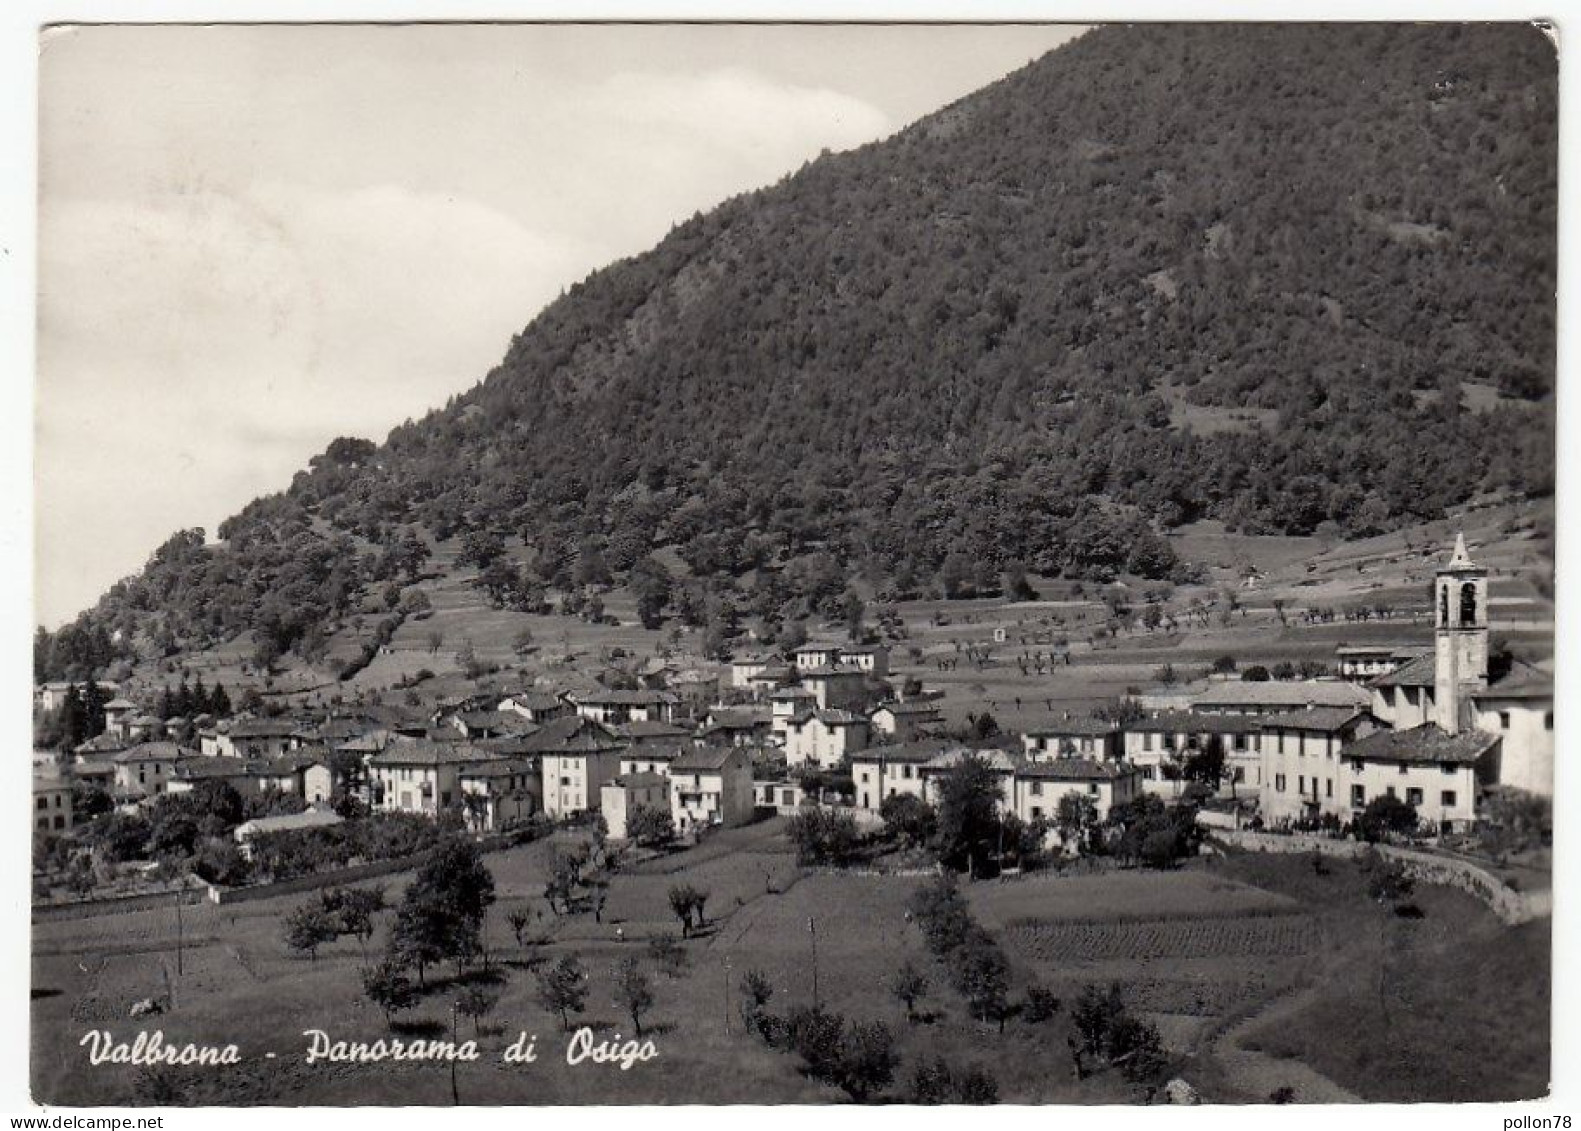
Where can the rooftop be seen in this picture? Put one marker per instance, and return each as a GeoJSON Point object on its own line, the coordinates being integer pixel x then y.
{"type": "Point", "coordinates": [1420, 672]}
{"type": "Point", "coordinates": [1195, 722]}
{"type": "Point", "coordinates": [1085, 727]}
{"type": "Point", "coordinates": [705, 759]}
{"type": "Point", "coordinates": [1075, 769]}
{"type": "Point", "coordinates": [1427, 744]}
{"type": "Point", "coordinates": [1326, 720]}
{"type": "Point", "coordinates": [422, 752]}
{"type": "Point", "coordinates": [307, 819]}
{"type": "Point", "coordinates": [1282, 693]}
{"type": "Point", "coordinates": [155, 752]}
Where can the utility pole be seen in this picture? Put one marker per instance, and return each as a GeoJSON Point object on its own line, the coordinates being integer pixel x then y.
{"type": "Point", "coordinates": [812, 931]}
{"type": "Point", "coordinates": [179, 934]}
{"type": "Point", "coordinates": [455, 1094]}
{"type": "Point", "coordinates": [726, 968]}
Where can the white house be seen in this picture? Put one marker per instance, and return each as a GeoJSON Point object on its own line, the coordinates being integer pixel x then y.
{"type": "Point", "coordinates": [824, 738]}
{"type": "Point", "coordinates": [1072, 738]}
{"type": "Point", "coordinates": [905, 721]}
{"type": "Point", "coordinates": [1440, 774]}
{"type": "Point", "coordinates": [419, 776]}
{"type": "Point", "coordinates": [620, 796]}
{"type": "Point", "coordinates": [142, 771]}
{"type": "Point", "coordinates": [51, 803]}
{"type": "Point", "coordinates": [869, 659]}
{"type": "Point", "coordinates": [1302, 761]}
{"type": "Point", "coordinates": [1038, 786]}
{"type": "Point", "coordinates": [888, 771]}
{"type": "Point", "coordinates": [499, 793]}
{"type": "Point", "coordinates": [711, 786]}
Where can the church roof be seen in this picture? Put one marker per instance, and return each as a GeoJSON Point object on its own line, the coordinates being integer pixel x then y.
{"type": "Point", "coordinates": [1522, 681]}
{"type": "Point", "coordinates": [1420, 672]}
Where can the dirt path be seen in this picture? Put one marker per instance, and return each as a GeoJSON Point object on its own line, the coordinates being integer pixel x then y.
{"type": "Point", "coordinates": [1258, 1075]}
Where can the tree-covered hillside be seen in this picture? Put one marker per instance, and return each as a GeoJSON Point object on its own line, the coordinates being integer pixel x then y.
{"type": "Point", "coordinates": [1283, 276]}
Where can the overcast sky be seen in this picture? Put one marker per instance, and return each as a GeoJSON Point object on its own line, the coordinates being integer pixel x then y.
{"type": "Point", "coordinates": [253, 240]}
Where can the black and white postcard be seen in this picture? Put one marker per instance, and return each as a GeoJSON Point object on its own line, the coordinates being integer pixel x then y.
{"type": "Point", "coordinates": [794, 564]}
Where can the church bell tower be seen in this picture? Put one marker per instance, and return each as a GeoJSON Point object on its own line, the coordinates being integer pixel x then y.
{"type": "Point", "coordinates": [1460, 617]}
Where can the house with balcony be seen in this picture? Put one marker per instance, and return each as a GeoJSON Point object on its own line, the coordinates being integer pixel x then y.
{"type": "Point", "coordinates": [711, 787]}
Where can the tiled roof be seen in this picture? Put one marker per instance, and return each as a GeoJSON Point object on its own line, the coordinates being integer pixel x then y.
{"type": "Point", "coordinates": [1086, 727]}
{"type": "Point", "coordinates": [498, 768]}
{"type": "Point", "coordinates": [651, 728]}
{"type": "Point", "coordinates": [1326, 720]}
{"type": "Point", "coordinates": [739, 718]}
{"type": "Point", "coordinates": [915, 753]}
{"type": "Point", "coordinates": [155, 752]}
{"type": "Point", "coordinates": [705, 759]}
{"type": "Point", "coordinates": [1522, 681]}
{"type": "Point", "coordinates": [422, 752]}
{"type": "Point", "coordinates": [534, 700]}
{"type": "Point", "coordinates": [1426, 744]}
{"type": "Point", "coordinates": [266, 728]}
{"type": "Point", "coordinates": [837, 672]}
{"type": "Point", "coordinates": [623, 698]}
{"type": "Point", "coordinates": [1075, 769]}
{"type": "Point", "coordinates": [1282, 693]}
{"type": "Point", "coordinates": [910, 707]}
{"type": "Point", "coordinates": [210, 769]}
{"type": "Point", "coordinates": [571, 735]}
{"type": "Point", "coordinates": [1192, 722]}
{"type": "Point", "coordinates": [1420, 672]}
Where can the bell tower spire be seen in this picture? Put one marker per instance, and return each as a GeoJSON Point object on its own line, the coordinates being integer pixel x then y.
{"type": "Point", "coordinates": [1460, 620]}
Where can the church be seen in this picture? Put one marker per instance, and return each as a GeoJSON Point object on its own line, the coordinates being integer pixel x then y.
{"type": "Point", "coordinates": [1497, 710]}
{"type": "Point", "coordinates": [1456, 721]}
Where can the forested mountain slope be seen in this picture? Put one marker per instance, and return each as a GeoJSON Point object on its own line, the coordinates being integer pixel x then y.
{"type": "Point", "coordinates": [1278, 275]}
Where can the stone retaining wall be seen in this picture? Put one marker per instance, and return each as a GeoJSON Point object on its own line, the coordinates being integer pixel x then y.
{"type": "Point", "coordinates": [1429, 868]}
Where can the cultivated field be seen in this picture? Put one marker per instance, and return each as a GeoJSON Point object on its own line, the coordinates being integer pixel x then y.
{"type": "Point", "coordinates": [1196, 951]}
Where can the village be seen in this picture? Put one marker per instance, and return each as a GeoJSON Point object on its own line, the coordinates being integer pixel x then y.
{"type": "Point", "coordinates": [816, 783]}
{"type": "Point", "coordinates": [1432, 727]}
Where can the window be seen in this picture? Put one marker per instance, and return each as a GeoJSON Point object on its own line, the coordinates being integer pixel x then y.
{"type": "Point", "coordinates": [908, 772]}
{"type": "Point", "coordinates": [1037, 813]}
{"type": "Point", "coordinates": [1328, 787]}
{"type": "Point", "coordinates": [1446, 769]}
{"type": "Point", "coordinates": [1358, 764]}
{"type": "Point", "coordinates": [1447, 799]}
{"type": "Point", "coordinates": [60, 821]}
{"type": "Point", "coordinates": [1389, 789]}
{"type": "Point", "coordinates": [1413, 796]}
{"type": "Point", "coordinates": [1240, 774]}
{"type": "Point", "coordinates": [1358, 795]}
{"type": "Point", "coordinates": [1404, 768]}
{"type": "Point", "coordinates": [1240, 742]}
{"type": "Point", "coordinates": [1092, 788]}
{"type": "Point", "coordinates": [1281, 740]}
{"type": "Point", "coordinates": [1548, 721]}
{"type": "Point", "coordinates": [1468, 603]}
{"type": "Point", "coordinates": [1147, 742]}
{"type": "Point", "coordinates": [1504, 720]}
{"type": "Point", "coordinates": [43, 803]}
{"type": "Point", "coordinates": [1301, 785]}
{"type": "Point", "coordinates": [1279, 782]}
{"type": "Point", "coordinates": [1037, 789]}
